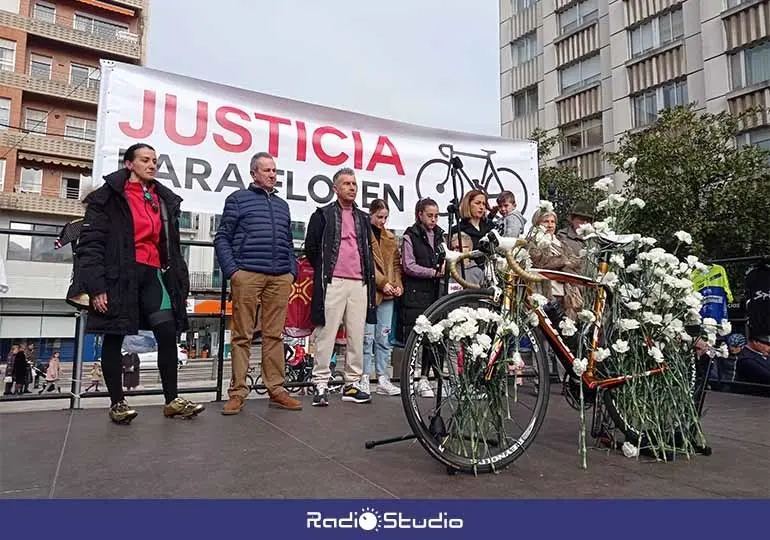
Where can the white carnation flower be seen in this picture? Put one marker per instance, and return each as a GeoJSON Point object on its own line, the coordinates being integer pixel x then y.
{"type": "Point", "coordinates": [710, 325]}
{"type": "Point", "coordinates": [725, 328]}
{"type": "Point", "coordinates": [610, 279]}
{"type": "Point", "coordinates": [602, 354]}
{"type": "Point", "coordinates": [692, 260]}
{"type": "Point", "coordinates": [603, 184]}
{"type": "Point", "coordinates": [533, 320]}
{"type": "Point", "coordinates": [538, 300]}
{"type": "Point", "coordinates": [585, 229]}
{"type": "Point", "coordinates": [567, 327]}
{"type": "Point", "coordinates": [626, 325]}
{"type": "Point", "coordinates": [647, 241]}
{"type": "Point", "coordinates": [723, 351]}
{"type": "Point", "coordinates": [545, 206]}
{"type": "Point", "coordinates": [634, 306]}
{"type": "Point", "coordinates": [586, 316]}
{"type": "Point", "coordinates": [685, 337]}
{"type": "Point", "coordinates": [649, 317]}
{"type": "Point", "coordinates": [633, 268]}
{"type": "Point", "coordinates": [630, 162]}
{"type": "Point", "coordinates": [621, 347]}
{"type": "Point", "coordinates": [579, 366]}
{"type": "Point", "coordinates": [684, 237]}
{"type": "Point", "coordinates": [656, 353]}
{"type": "Point", "coordinates": [618, 260]}
{"type": "Point", "coordinates": [636, 201]}
{"type": "Point", "coordinates": [512, 328]}
{"type": "Point", "coordinates": [484, 340]}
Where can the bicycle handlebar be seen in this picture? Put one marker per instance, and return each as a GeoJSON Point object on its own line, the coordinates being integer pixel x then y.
{"type": "Point", "coordinates": [495, 243]}
{"type": "Point", "coordinates": [442, 147]}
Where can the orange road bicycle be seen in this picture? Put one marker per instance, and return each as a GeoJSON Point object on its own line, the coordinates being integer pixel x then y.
{"type": "Point", "coordinates": [485, 414]}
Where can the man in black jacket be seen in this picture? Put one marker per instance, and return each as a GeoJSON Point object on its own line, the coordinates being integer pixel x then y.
{"type": "Point", "coordinates": [338, 246]}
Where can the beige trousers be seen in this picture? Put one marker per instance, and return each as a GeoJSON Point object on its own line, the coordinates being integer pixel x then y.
{"type": "Point", "coordinates": [346, 302]}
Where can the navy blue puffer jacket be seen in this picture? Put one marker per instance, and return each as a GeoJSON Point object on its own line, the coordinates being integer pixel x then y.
{"type": "Point", "coordinates": [255, 234]}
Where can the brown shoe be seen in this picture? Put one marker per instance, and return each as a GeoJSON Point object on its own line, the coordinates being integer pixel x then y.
{"type": "Point", "coordinates": [233, 405]}
{"type": "Point", "coordinates": [282, 400]}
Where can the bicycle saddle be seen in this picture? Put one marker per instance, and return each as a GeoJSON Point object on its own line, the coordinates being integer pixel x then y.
{"type": "Point", "coordinates": [489, 152]}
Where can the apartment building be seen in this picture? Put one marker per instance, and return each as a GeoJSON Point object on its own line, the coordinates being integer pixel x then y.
{"type": "Point", "coordinates": [594, 70]}
{"type": "Point", "coordinates": [49, 89]}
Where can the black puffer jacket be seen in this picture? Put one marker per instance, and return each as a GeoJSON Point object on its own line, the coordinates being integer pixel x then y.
{"type": "Point", "coordinates": [106, 257]}
{"type": "Point", "coordinates": [322, 244]}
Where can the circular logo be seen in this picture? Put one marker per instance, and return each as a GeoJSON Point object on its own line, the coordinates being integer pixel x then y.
{"type": "Point", "coordinates": [367, 521]}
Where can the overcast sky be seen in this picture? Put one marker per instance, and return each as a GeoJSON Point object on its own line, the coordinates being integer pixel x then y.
{"type": "Point", "coordinates": [428, 62]}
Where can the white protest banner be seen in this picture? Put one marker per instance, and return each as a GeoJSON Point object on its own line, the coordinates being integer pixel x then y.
{"type": "Point", "coordinates": [205, 134]}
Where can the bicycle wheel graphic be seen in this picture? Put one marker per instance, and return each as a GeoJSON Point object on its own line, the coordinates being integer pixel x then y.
{"type": "Point", "coordinates": [433, 181]}
{"type": "Point", "coordinates": [508, 180]}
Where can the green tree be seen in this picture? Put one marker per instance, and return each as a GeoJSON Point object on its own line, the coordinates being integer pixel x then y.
{"type": "Point", "coordinates": [694, 177]}
{"type": "Point", "coordinates": [563, 186]}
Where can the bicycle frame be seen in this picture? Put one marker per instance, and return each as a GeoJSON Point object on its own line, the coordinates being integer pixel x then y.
{"type": "Point", "coordinates": [563, 352]}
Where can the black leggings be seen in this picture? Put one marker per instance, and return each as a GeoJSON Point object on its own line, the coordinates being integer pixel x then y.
{"type": "Point", "coordinates": [155, 311]}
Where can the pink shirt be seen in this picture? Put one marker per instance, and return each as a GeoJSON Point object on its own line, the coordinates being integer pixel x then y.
{"type": "Point", "coordinates": [349, 259]}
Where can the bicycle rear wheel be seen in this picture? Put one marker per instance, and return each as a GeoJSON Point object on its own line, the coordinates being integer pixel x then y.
{"type": "Point", "coordinates": [473, 425]}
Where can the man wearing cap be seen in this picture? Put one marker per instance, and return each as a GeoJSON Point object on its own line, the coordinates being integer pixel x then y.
{"type": "Point", "coordinates": [581, 214]}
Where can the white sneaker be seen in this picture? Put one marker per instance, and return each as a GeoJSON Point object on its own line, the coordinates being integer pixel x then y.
{"type": "Point", "coordinates": [422, 389]}
{"type": "Point", "coordinates": [363, 384]}
{"type": "Point", "coordinates": [387, 388]}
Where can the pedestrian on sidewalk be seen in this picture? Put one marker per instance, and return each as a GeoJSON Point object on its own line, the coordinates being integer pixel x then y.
{"type": "Point", "coordinates": [52, 373]}
{"type": "Point", "coordinates": [338, 245]}
{"type": "Point", "coordinates": [255, 250]}
{"type": "Point", "coordinates": [131, 263]}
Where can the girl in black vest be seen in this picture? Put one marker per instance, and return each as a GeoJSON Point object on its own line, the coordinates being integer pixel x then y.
{"type": "Point", "coordinates": [422, 274]}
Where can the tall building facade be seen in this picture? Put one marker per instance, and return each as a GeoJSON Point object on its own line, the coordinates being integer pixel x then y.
{"type": "Point", "coordinates": [593, 70]}
{"type": "Point", "coordinates": [49, 89]}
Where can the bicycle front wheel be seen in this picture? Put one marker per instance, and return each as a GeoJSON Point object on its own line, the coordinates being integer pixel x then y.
{"type": "Point", "coordinates": [464, 421]}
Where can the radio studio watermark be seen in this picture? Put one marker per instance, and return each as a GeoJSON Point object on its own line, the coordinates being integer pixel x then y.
{"type": "Point", "coordinates": [370, 519]}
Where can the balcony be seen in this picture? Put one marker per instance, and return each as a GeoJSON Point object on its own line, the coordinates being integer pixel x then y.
{"type": "Point", "coordinates": [67, 34]}
{"type": "Point", "coordinates": [136, 4]}
{"type": "Point", "coordinates": [49, 145]}
{"type": "Point", "coordinates": [40, 203]}
{"type": "Point", "coordinates": [205, 281]}
{"type": "Point", "coordinates": [58, 87]}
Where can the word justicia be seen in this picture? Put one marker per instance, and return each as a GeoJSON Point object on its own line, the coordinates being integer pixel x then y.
{"type": "Point", "coordinates": [372, 520]}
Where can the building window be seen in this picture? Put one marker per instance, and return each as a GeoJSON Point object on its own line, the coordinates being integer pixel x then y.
{"type": "Point", "coordinates": [581, 136]}
{"type": "Point", "coordinates": [5, 113]}
{"type": "Point", "coordinates": [521, 5]}
{"type": "Point", "coordinates": [43, 11]}
{"type": "Point", "coordinates": [657, 32]}
{"type": "Point", "coordinates": [2, 174]}
{"type": "Point", "coordinates": [186, 220]}
{"type": "Point", "coordinates": [525, 102]}
{"type": "Point", "coordinates": [524, 49]}
{"type": "Point", "coordinates": [750, 66]}
{"type": "Point", "coordinates": [85, 76]}
{"type": "Point", "coordinates": [98, 27]}
{"type": "Point", "coordinates": [40, 66]}
{"type": "Point", "coordinates": [729, 4]}
{"type": "Point", "coordinates": [36, 248]}
{"type": "Point", "coordinates": [648, 105]}
{"type": "Point", "coordinates": [80, 129]}
{"type": "Point", "coordinates": [31, 180]}
{"type": "Point", "coordinates": [70, 187]}
{"type": "Point", "coordinates": [7, 55]}
{"type": "Point", "coordinates": [759, 137]}
{"type": "Point", "coordinates": [580, 74]}
{"type": "Point", "coordinates": [36, 121]}
{"type": "Point", "coordinates": [579, 14]}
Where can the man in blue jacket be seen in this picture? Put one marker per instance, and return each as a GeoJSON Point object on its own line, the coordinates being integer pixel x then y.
{"type": "Point", "coordinates": [255, 250]}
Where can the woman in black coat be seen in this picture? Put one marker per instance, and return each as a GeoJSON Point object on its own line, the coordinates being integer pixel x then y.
{"type": "Point", "coordinates": [131, 264]}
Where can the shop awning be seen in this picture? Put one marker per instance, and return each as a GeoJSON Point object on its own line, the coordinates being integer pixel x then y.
{"type": "Point", "coordinates": [55, 160]}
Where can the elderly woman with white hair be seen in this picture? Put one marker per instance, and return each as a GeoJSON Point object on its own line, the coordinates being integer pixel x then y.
{"type": "Point", "coordinates": [548, 252]}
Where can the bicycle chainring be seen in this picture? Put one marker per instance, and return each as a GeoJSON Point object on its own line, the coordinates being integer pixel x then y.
{"type": "Point", "coordinates": [571, 392]}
